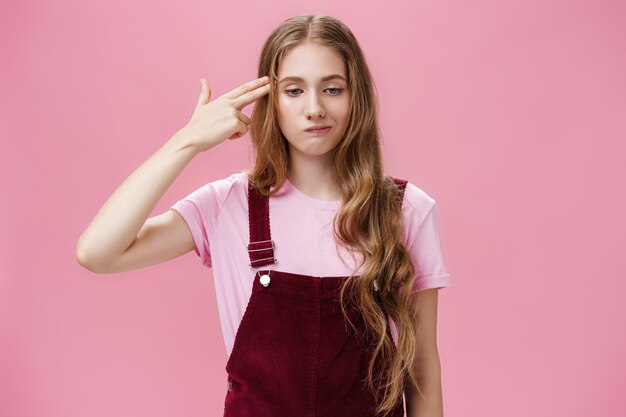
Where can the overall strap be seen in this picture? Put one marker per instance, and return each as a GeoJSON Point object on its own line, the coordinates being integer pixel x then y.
{"type": "Point", "coordinates": [261, 246]}
{"type": "Point", "coordinates": [401, 184]}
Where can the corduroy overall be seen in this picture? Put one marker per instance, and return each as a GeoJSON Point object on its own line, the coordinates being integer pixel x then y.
{"type": "Point", "coordinates": [294, 354]}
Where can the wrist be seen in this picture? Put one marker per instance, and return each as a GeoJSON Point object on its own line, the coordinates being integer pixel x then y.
{"type": "Point", "coordinates": [184, 142]}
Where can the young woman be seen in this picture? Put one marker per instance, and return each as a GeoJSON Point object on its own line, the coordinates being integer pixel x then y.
{"type": "Point", "coordinates": [326, 268]}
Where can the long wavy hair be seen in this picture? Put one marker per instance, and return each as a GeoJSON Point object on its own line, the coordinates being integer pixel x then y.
{"type": "Point", "coordinates": [369, 219]}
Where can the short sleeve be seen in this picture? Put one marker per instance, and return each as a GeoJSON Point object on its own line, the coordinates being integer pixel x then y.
{"type": "Point", "coordinates": [201, 210]}
{"type": "Point", "coordinates": [425, 250]}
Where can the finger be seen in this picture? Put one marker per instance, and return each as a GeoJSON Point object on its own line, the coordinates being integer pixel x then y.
{"type": "Point", "coordinates": [242, 129]}
{"type": "Point", "coordinates": [205, 93]}
{"type": "Point", "coordinates": [247, 87]}
{"type": "Point", "coordinates": [250, 97]}
{"type": "Point", "coordinates": [243, 117]}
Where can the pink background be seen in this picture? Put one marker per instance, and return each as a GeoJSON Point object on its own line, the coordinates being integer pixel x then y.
{"type": "Point", "coordinates": [512, 115]}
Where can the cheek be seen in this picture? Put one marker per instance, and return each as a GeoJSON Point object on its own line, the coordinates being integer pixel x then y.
{"type": "Point", "coordinates": [341, 105]}
{"type": "Point", "coordinates": [286, 109]}
{"type": "Point", "coordinates": [286, 118]}
{"type": "Point", "coordinates": [341, 108]}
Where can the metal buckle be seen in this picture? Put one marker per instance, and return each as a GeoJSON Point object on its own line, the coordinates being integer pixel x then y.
{"type": "Point", "coordinates": [261, 241]}
{"type": "Point", "coordinates": [263, 259]}
{"type": "Point", "coordinates": [260, 249]}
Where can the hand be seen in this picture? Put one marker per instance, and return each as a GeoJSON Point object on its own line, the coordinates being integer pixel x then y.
{"type": "Point", "coordinates": [214, 121]}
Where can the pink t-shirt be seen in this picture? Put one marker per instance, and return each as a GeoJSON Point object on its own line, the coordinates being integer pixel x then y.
{"type": "Point", "coordinates": [217, 216]}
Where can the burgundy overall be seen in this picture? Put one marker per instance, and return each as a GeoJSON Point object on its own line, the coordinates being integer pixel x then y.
{"type": "Point", "coordinates": [294, 354]}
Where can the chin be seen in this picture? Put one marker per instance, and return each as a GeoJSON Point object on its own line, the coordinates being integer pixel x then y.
{"type": "Point", "coordinates": [312, 150]}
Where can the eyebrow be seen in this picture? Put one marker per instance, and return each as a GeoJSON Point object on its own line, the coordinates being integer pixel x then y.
{"type": "Point", "coordinates": [326, 78]}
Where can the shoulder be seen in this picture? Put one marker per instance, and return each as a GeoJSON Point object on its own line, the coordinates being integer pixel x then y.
{"type": "Point", "coordinates": [417, 203]}
{"type": "Point", "coordinates": [417, 200]}
{"type": "Point", "coordinates": [216, 192]}
{"type": "Point", "coordinates": [224, 186]}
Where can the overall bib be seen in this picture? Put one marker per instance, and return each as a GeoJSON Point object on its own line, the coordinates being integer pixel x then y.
{"type": "Point", "coordinates": [294, 354]}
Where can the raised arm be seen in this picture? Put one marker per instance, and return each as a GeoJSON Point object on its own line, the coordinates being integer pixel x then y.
{"type": "Point", "coordinates": [121, 237]}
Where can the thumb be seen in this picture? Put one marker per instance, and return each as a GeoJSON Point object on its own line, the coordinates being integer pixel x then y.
{"type": "Point", "coordinates": [205, 93]}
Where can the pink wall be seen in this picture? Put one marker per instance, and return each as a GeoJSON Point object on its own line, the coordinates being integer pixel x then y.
{"type": "Point", "coordinates": [512, 115]}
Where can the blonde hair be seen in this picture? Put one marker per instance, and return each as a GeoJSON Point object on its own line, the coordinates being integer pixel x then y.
{"type": "Point", "coordinates": [370, 219]}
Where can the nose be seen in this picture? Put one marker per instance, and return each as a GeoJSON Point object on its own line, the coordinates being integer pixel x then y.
{"type": "Point", "coordinates": [314, 107]}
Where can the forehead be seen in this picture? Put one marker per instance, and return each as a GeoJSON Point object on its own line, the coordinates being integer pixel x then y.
{"type": "Point", "coordinates": [311, 62]}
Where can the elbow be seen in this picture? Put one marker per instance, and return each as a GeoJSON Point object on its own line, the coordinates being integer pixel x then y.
{"type": "Point", "coordinates": [83, 259]}
{"type": "Point", "coordinates": [89, 261]}
{"type": "Point", "coordinates": [82, 254]}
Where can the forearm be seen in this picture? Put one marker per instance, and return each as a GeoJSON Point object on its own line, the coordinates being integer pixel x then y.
{"type": "Point", "coordinates": [429, 377]}
{"type": "Point", "coordinates": [120, 218]}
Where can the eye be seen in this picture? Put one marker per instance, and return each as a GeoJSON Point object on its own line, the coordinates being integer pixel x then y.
{"type": "Point", "coordinates": [290, 92]}
{"type": "Point", "coordinates": [338, 91]}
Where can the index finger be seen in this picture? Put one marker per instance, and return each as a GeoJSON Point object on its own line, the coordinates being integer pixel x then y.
{"type": "Point", "coordinates": [247, 87]}
{"type": "Point", "coordinates": [249, 92]}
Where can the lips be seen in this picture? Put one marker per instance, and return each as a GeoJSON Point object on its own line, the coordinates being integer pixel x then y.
{"type": "Point", "coordinates": [318, 129]}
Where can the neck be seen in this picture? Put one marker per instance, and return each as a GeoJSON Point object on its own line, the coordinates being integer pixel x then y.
{"type": "Point", "coordinates": [314, 176]}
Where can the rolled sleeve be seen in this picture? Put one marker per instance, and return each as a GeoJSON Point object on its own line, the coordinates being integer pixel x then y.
{"type": "Point", "coordinates": [425, 250]}
{"type": "Point", "coordinates": [192, 215]}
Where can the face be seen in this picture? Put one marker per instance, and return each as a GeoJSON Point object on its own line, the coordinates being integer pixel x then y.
{"type": "Point", "coordinates": [310, 99]}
